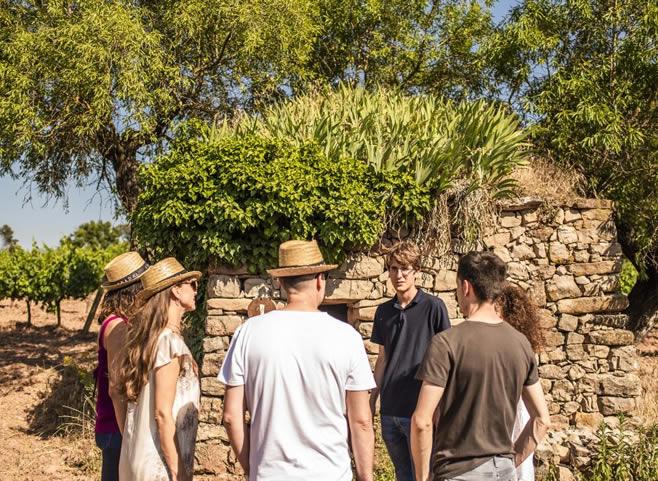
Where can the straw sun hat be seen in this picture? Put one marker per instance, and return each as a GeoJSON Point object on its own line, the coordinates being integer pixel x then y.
{"type": "Point", "coordinates": [298, 258]}
{"type": "Point", "coordinates": [163, 274]}
{"type": "Point", "coordinates": [123, 270]}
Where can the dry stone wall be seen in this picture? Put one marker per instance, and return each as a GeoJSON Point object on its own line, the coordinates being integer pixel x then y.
{"type": "Point", "coordinates": [567, 258]}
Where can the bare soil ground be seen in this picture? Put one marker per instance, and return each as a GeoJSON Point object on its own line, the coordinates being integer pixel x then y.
{"type": "Point", "coordinates": [31, 375]}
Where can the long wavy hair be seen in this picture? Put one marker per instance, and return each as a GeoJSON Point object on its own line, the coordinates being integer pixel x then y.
{"type": "Point", "coordinates": [522, 314]}
{"type": "Point", "coordinates": [119, 302]}
{"type": "Point", "coordinates": [147, 323]}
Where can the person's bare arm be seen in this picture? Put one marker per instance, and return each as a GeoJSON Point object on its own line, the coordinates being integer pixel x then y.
{"type": "Point", "coordinates": [380, 367]}
{"type": "Point", "coordinates": [234, 422]}
{"type": "Point", "coordinates": [114, 340]}
{"type": "Point", "coordinates": [421, 429]}
{"type": "Point", "coordinates": [537, 426]}
{"type": "Point", "coordinates": [165, 379]}
{"type": "Point", "coordinates": [362, 435]}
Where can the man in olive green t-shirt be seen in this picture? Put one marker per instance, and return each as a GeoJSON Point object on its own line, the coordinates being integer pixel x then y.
{"type": "Point", "coordinates": [475, 374]}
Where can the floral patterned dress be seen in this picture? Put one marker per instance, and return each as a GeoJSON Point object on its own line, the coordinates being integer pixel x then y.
{"type": "Point", "coordinates": [141, 457]}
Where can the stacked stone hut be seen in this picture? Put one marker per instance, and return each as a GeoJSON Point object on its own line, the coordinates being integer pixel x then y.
{"type": "Point", "coordinates": [567, 257]}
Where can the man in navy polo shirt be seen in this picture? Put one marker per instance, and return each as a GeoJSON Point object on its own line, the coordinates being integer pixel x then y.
{"type": "Point", "coordinates": [403, 329]}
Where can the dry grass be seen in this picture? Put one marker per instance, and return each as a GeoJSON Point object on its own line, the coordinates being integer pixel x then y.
{"type": "Point", "coordinates": [647, 408]}
{"type": "Point", "coordinates": [544, 179]}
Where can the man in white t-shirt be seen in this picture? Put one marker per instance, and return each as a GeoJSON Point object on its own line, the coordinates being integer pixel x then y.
{"type": "Point", "coordinates": [305, 378]}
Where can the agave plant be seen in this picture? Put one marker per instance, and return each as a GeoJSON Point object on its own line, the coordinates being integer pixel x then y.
{"type": "Point", "coordinates": [434, 139]}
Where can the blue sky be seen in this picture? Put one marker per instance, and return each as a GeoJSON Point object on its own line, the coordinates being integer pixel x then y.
{"type": "Point", "coordinates": [46, 221]}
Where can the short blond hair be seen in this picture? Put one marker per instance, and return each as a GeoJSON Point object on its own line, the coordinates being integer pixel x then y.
{"type": "Point", "coordinates": [405, 253]}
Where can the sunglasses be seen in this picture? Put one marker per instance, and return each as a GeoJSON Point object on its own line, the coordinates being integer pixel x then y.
{"type": "Point", "coordinates": [194, 284]}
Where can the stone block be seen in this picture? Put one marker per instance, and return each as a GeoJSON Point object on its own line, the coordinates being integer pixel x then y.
{"type": "Point", "coordinates": [576, 372]}
{"type": "Point", "coordinates": [575, 352]}
{"type": "Point", "coordinates": [567, 323]}
{"type": "Point", "coordinates": [214, 344]}
{"type": "Point", "coordinates": [425, 280]}
{"type": "Point", "coordinates": [551, 371]}
{"type": "Point", "coordinates": [575, 338]}
{"type": "Point", "coordinates": [588, 420]}
{"type": "Point", "coordinates": [503, 253]}
{"type": "Point", "coordinates": [562, 391]}
{"type": "Point", "coordinates": [257, 287]}
{"type": "Point", "coordinates": [546, 319]}
{"type": "Point", "coordinates": [497, 240]}
{"type": "Point", "coordinates": [556, 355]}
{"type": "Point", "coordinates": [561, 287]}
{"type": "Point", "coordinates": [518, 271]}
{"type": "Point", "coordinates": [626, 386]}
{"type": "Point", "coordinates": [558, 253]}
{"type": "Point", "coordinates": [611, 406]}
{"type": "Point", "coordinates": [211, 363]}
{"type": "Point", "coordinates": [210, 386]}
{"type": "Point", "coordinates": [228, 304]}
{"type": "Point", "coordinates": [523, 252]}
{"type": "Point", "coordinates": [581, 256]}
{"type": "Point", "coordinates": [553, 338]}
{"type": "Point", "coordinates": [596, 214]}
{"type": "Point", "coordinates": [212, 457]}
{"type": "Point", "coordinates": [612, 337]}
{"type": "Point", "coordinates": [365, 328]}
{"type": "Point", "coordinates": [595, 268]}
{"type": "Point", "coordinates": [445, 280]}
{"type": "Point", "coordinates": [597, 351]}
{"type": "Point", "coordinates": [207, 432]}
{"type": "Point", "coordinates": [624, 359]}
{"type": "Point", "coordinates": [360, 266]}
{"type": "Point", "coordinates": [566, 234]}
{"type": "Point", "coordinates": [570, 407]}
{"type": "Point", "coordinates": [223, 286]}
{"type": "Point", "coordinates": [365, 313]}
{"type": "Point", "coordinates": [348, 290]}
{"type": "Point", "coordinates": [371, 347]}
{"type": "Point", "coordinates": [586, 305]}
{"type": "Point", "coordinates": [222, 325]}
{"type": "Point", "coordinates": [508, 220]}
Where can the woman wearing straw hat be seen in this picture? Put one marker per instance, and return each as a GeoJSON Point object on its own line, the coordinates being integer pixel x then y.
{"type": "Point", "coordinates": [121, 285]}
{"type": "Point", "coordinates": [159, 379]}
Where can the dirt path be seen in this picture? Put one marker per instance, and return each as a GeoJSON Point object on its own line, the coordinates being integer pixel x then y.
{"type": "Point", "coordinates": [31, 368]}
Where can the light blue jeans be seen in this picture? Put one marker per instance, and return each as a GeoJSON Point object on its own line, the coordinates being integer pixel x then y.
{"type": "Point", "coordinates": [496, 469]}
{"type": "Point", "coordinates": [396, 432]}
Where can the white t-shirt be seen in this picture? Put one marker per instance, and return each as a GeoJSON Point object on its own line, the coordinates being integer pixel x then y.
{"type": "Point", "coordinates": [526, 471]}
{"type": "Point", "coordinates": [296, 368]}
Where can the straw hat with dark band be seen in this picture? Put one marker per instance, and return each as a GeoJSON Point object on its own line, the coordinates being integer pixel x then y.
{"type": "Point", "coordinates": [298, 258]}
{"type": "Point", "coordinates": [163, 274]}
{"type": "Point", "coordinates": [123, 270]}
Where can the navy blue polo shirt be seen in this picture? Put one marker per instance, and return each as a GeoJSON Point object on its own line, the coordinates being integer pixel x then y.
{"type": "Point", "coordinates": [406, 334]}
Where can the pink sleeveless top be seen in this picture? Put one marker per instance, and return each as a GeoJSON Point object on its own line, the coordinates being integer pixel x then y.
{"type": "Point", "coordinates": [106, 421]}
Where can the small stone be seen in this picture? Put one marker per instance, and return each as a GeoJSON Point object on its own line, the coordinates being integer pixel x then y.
{"type": "Point", "coordinates": [611, 406]}
{"type": "Point", "coordinates": [222, 325]}
{"type": "Point", "coordinates": [575, 352]}
{"type": "Point", "coordinates": [257, 287]}
{"type": "Point", "coordinates": [210, 386]}
{"type": "Point", "coordinates": [445, 280]}
{"type": "Point", "coordinates": [551, 371]}
{"type": "Point", "coordinates": [522, 252]}
{"type": "Point", "coordinates": [588, 420]}
{"type": "Point", "coordinates": [575, 338]}
{"type": "Point", "coordinates": [567, 323]}
{"type": "Point", "coordinates": [346, 290]}
{"type": "Point", "coordinates": [626, 386]}
{"type": "Point", "coordinates": [212, 363]}
{"type": "Point", "coordinates": [585, 305]}
{"type": "Point", "coordinates": [572, 215]}
{"type": "Point", "coordinates": [613, 337]}
{"type": "Point", "coordinates": [360, 266]}
{"type": "Point", "coordinates": [561, 287]}
{"type": "Point", "coordinates": [582, 280]}
{"type": "Point", "coordinates": [214, 344]}
{"type": "Point", "coordinates": [576, 372]}
{"type": "Point", "coordinates": [570, 408]}
{"type": "Point", "coordinates": [230, 304]}
{"type": "Point", "coordinates": [562, 390]}
{"type": "Point", "coordinates": [223, 286]}
{"type": "Point", "coordinates": [592, 268]}
{"type": "Point", "coordinates": [518, 270]}
{"type": "Point", "coordinates": [600, 352]}
{"type": "Point", "coordinates": [567, 234]}
{"type": "Point", "coordinates": [503, 253]}
{"type": "Point", "coordinates": [497, 240]}
{"type": "Point", "coordinates": [510, 220]}
{"type": "Point", "coordinates": [558, 253]}
{"type": "Point", "coordinates": [553, 339]}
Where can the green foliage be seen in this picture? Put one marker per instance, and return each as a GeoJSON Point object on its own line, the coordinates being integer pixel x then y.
{"type": "Point", "coordinates": [234, 200]}
{"type": "Point", "coordinates": [585, 72]}
{"type": "Point", "coordinates": [627, 276]}
{"type": "Point", "coordinates": [98, 235]}
{"type": "Point", "coordinates": [435, 140]}
{"type": "Point", "coordinates": [19, 274]}
{"type": "Point", "coordinates": [7, 235]}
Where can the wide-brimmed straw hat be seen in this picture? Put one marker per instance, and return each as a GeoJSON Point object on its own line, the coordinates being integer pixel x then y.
{"type": "Point", "coordinates": [123, 270]}
{"type": "Point", "coordinates": [161, 275]}
{"type": "Point", "coordinates": [298, 258]}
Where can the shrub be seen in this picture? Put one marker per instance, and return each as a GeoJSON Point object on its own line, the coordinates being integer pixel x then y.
{"type": "Point", "coordinates": [234, 200]}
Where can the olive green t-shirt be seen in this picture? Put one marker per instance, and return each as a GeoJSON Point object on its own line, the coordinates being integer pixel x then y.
{"type": "Point", "coordinates": [483, 368]}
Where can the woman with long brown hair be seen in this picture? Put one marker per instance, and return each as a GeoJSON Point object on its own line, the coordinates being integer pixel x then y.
{"type": "Point", "coordinates": [159, 379]}
{"type": "Point", "coordinates": [518, 310]}
{"type": "Point", "coordinates": [121, 285]}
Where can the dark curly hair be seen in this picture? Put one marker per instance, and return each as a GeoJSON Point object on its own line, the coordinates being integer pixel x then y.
{"type": "Point", "coordinates": [119, 302]}
{"type": "Point", "coordinates": [522, 314]}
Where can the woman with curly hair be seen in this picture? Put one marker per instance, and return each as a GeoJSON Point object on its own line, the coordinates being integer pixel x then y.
{"type": "Point", "coordinates": [522, 314]}
{"type": "Point", "coordinates": [121, 285]}
{"type": "Point", "coordinates": [159, 378]}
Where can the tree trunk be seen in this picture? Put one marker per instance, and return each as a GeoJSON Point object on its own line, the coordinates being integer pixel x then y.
{"type": "Point", "coordinates": [125, 166]}
{"type": "Point", "coordinates": [59, 313]}
{"type": "Point", "coordinates": [643, 304]}
{"type": "Point", "coordinates": [29, 312]}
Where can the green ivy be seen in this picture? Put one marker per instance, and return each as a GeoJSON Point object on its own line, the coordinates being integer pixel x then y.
{"type": "Point", "coordinates": [234, 200]}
